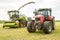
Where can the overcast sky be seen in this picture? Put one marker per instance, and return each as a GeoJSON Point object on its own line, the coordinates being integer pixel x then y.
{"type": "Point", "coordinates": [6, 5]}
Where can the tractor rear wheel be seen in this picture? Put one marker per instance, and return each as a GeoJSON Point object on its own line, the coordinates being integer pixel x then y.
{"type": "Point", "coordinates": [53, 25]}
{"type": "Point", "coordinates": [31, 27]}
{"type": "Point", "coordinates": [47, 27]}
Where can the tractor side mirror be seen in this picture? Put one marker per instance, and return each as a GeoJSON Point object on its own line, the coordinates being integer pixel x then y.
{"type": "Point", "coordinates": [34, 12]}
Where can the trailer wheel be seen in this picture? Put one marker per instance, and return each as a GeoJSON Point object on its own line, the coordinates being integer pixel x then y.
{"type": "Point", "coordinates": [31, 27]}
{"type": "Point", "coordinates": [47, 27]}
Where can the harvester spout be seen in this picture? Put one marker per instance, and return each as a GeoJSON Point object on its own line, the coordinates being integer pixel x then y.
{"type": "Point", "coordinates": [25, 5]}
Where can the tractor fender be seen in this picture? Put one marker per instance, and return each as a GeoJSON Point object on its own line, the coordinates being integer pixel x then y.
{"type": "Point", "coordinates": [31, 21]}
{"type": "Point", "coordinates": [51, 17]}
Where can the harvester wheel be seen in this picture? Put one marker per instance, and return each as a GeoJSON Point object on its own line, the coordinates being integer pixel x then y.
{"type": "Point", "coordinates": [22, 24]}
{"type": "Point", "coordinates": [25, 23]}
{"type": "Point", "coordinates": [47, 27]}
{"type": "Point", "coordinates": [31, 27]}
{"type": "Point", "coordinates": [3, 26]}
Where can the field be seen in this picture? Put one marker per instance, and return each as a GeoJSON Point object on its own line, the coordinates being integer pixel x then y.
{"type": "Point", "coordinates": [22, 34]}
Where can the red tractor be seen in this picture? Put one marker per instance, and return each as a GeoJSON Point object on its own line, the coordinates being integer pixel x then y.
{"type": "Point", "coordinates": [43, 21]}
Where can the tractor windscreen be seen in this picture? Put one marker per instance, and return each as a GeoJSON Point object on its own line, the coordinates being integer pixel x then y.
{"type": "Point", "coordinates": [43, 12]}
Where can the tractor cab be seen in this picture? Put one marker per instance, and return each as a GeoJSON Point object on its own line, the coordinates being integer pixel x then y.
{"type": "Point", "coordinates": [14, 15]}
{"type": "Point", "coordinates": [43, 12]}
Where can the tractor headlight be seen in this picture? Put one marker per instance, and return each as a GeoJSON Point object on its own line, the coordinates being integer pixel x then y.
{"type": "Point", "coordinates": [37, 19]}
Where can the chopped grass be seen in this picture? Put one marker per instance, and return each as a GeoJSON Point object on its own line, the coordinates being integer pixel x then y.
{"type": "Point", "coordinates": [23, 34]}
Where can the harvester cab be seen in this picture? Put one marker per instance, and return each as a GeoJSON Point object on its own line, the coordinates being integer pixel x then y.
{"type": "Point", "coordinates": [14, 15]}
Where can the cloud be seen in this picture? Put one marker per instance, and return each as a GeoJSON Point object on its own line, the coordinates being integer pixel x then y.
{"type": "Point", "coordinates": [9, 1]}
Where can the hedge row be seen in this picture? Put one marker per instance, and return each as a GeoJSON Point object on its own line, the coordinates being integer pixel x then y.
{"type": "Point", "coordinates": [57, 20]}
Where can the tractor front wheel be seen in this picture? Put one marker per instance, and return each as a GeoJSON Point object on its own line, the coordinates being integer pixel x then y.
{"type": "Point", "coordinates": [47, 27]}
{"type": "Point", "coordinates": [31, 27]}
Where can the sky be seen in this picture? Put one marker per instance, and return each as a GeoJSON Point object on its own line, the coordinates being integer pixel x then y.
{"type": "Point", "coordinates": [6, 5]}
